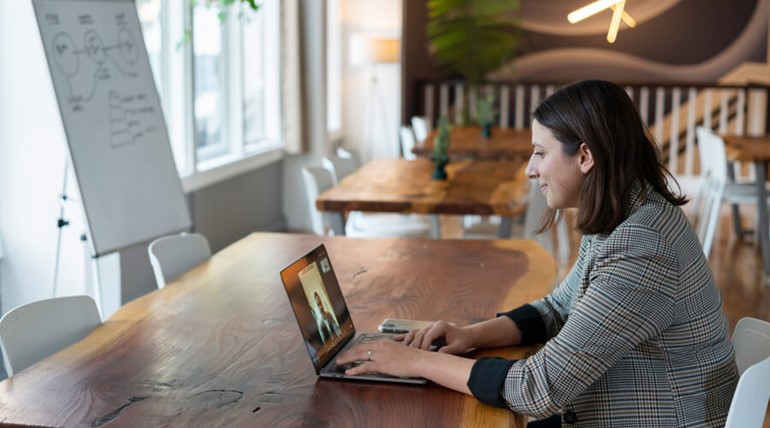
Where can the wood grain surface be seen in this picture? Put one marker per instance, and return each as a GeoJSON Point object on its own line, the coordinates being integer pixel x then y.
{"type": "Point", "coordinates": [220, 347]}
{"type": "Point", "coordinates": [467, 142]}
{"type": "Point", "coordinates": [398, 185]}
{"type": "Point", "coordinates": [746, 148]}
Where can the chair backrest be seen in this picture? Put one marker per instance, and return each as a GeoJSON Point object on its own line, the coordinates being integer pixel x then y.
{"type": "Point", "coordinates": [537, 205]}
{"type": "Point", "coordinates": [173, 256]}
{"type": "Point", "coordinates": [708, 201]}
{"type": "Point", "coordinates": [32, 332]}
{"type": "Point", "coordinates": [712, 154]}
{"type": "Point", "coordinates": [407, 143]}
{"type": "Point", "coordinates": [751, 340]}
{"type": "Point", "coordinates": [421, 126]}
{"type": "Point", "coordinates": [749, 404]}
{"type": "Point", "coordinates": [340, 167]}
{"type": "Point", "coordinates": [351, 154]}
{"type": "Point", "coordinates": [317, 180]}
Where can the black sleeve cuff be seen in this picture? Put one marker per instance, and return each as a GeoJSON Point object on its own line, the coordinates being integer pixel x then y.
{"type": "Point", "coordinates": [487, 380]}
{"type": "Point", "coordinates": [529, 322]}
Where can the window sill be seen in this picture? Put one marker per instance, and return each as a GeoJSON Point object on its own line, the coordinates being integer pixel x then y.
{"type": "Point", "coordinates": [225, 168]}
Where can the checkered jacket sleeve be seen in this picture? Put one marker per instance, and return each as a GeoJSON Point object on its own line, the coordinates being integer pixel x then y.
{"type": "Point", "coordinates": [635, 334]}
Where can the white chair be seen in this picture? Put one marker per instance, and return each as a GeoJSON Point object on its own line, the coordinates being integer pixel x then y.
{"type": "Point", "coordinates": [318, 180]}
{"type": "Point", "coordinates": [407, 143]}
{"type": "Point", "coordinates": [32, 332]}
{"type": "Point", "coordinates": [715, 187]}
{"type": "Point", "coordinates": [751, 340]}
{"type": "Point", "coordinates": [536, 208]}
{"type": "Point", "coordinates": [173, 256]}
{"type": "Point", "coordinates": [339, 166]}
{"type": "Point", "coordinates": [421, 126]}
{"type": "Point", "coordinates": [351, 154]}
{"type": "Point", "coordinates": [749, 404]}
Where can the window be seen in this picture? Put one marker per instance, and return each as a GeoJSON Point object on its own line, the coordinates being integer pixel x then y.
{"type": "Point", "coordinates": [218, 79]}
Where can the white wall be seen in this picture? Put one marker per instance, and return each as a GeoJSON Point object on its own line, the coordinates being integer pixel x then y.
{"type": "Point", "coordinates": [359, 104]}
{"type": "Point", "coordinates": [32, 159]}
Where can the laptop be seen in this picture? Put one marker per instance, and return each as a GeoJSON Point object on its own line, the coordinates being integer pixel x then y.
{"type": "Point", "coordinates": [323, 316]}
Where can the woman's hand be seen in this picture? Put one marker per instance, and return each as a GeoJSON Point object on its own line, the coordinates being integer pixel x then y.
{"type": "Point", "coordinates": [384, 356]}
{"type": "Point", "coordinates": [449, 338]}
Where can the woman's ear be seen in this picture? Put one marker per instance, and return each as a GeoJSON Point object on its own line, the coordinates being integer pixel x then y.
{"type": "Point", "coordinates": [585, 159]}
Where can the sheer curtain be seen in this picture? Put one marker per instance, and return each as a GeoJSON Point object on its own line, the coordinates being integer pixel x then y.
{"type": "Point", "coordinates": [292, 115]}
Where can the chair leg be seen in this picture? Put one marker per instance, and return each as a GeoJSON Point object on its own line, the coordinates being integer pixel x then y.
{"type": "Point", "coordinates": [740, 232]}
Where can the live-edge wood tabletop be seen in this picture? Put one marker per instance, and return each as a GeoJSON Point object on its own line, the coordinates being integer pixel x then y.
{"type": "Point", "coordinates": [221, 347]}
{"type": "Point", "coordinates": [467, 142]}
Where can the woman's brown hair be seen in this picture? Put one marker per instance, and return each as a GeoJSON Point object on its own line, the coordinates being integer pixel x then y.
{"type": "Point", "coordinates": [601, 115]}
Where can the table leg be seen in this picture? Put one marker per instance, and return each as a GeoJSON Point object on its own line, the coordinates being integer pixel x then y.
{"type": "Point", "coordinates": [762, 220]}
{"type": "Point", "coordinates": [435, 229]}
{"type": "Point", "coordinates": [337, 220]}
{"type": "Point", "coordinates": [506, 227]}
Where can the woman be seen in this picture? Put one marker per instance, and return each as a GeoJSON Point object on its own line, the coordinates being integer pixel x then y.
{"type": "Point", "coordinates": [635, 335]}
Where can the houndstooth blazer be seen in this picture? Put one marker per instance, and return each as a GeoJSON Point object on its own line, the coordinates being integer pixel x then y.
{"type": "Point", "coordinates": [634, 336]}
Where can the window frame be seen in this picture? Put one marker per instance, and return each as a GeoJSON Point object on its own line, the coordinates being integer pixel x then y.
{"type": "Point", "coordinates": [201, 167]}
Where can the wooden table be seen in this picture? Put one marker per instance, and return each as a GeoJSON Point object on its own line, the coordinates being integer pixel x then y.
{"type": "Point", "coordinates": [221, 347]}
{"type": "Point", "coordinates": [757, 150]}
{"type": "Point", "coordinates": [402, 186]}
{"type": "Point", "coordinates": [467, 142]}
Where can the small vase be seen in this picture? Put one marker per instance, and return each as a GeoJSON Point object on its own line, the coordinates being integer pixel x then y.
{"type": "Point", "coordinates": [486, 130]}
{"type": "Point", "coordinates": [439, 173]}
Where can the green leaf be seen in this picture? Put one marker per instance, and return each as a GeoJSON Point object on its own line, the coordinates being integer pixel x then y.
{"type": "Point", "coordinates": [473, 37]}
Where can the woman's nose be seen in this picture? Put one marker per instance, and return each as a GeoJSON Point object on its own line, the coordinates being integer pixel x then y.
{"type": "Point", "coordinates": [531, 171]}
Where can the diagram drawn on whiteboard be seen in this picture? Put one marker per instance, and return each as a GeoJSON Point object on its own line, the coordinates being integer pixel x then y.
{"type": "Point", "coordinates": [113, 121]}
{"type": "Point", "coordinates": [92, 60]}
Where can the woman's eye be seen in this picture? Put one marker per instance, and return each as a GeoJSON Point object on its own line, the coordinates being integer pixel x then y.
{"type": "Point", "coordinates": [537, 154]}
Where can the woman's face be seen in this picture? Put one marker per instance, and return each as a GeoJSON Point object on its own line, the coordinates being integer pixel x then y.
{"type": "Point", "coordinates": [559, 175]}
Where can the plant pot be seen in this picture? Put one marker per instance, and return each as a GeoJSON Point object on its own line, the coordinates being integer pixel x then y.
{"type": "Point", "coordinates": [486, 130]}
{"type": "Point", "coordinates": [439, 173]}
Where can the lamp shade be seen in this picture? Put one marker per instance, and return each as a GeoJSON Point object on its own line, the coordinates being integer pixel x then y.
{"type": "Point", "coordinates": [373, 49]}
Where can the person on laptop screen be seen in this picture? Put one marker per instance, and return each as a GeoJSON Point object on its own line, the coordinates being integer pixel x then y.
{"type": "Point", "coordinates": [327, 325]}
{"type": "Point", "coordinates": [635, 335]}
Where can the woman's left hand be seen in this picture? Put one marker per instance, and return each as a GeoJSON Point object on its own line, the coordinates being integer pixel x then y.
{"type": "Point", "coordinates": [385, 356]}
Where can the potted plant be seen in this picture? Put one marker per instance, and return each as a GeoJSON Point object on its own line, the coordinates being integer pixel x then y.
{"type": "Point", "coordinates": [441, 148]}
{"type": "Point", "coordinates": [473, 37]}
{"type": "Point", "coordinates": [485, 114]}
{"type": "Point", "coordinates": [223, 5]}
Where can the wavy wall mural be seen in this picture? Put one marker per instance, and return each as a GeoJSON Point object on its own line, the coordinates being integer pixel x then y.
{"type": "Point", "coordinates": [674, 41]}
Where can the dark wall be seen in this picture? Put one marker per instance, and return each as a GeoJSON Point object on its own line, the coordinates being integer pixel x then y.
{"type": "Point", "coordinates": [691, 41]}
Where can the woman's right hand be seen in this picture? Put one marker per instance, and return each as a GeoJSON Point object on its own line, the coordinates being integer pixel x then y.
{"type": "Point", "coordinates": [450, 338]}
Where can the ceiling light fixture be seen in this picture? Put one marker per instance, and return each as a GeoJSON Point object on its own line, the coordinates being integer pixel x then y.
{"type": "Point", "coordinates": [618, 14]}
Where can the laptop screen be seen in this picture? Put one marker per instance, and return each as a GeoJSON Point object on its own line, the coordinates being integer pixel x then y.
{"type": "Point", "coordinates": [317, 301]}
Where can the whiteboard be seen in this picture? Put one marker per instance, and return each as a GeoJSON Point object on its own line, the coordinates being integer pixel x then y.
{"type": "Point", "coordinates": [110, 109]}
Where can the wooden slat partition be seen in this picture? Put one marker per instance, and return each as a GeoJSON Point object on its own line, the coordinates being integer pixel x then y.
{"type": "Point", "coordinates": [672, 112]}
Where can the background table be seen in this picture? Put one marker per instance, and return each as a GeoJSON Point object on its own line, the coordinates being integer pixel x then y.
{"type": "Point", "coordinates": [221, 347]}
{"type": "Point", "coordinates": [402, 186]}
{"type": "Point", "coordinates": [757, 150]}
{"type": "Point", "coordinates": [467, 142]}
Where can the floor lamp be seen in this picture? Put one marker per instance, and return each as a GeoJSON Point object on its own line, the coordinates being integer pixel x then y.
{"type": "Point", "coordinates": [373, 51]}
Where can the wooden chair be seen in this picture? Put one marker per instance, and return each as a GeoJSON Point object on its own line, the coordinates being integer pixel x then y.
{"type": "Point", "coordinates": [173, 256]}
{"type": "Point", "coordinates": [32, 332]}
